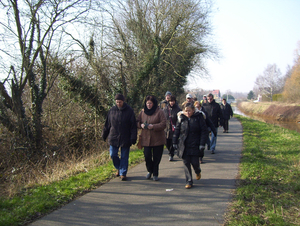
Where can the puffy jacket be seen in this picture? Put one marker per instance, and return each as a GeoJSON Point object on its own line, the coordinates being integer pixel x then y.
{"type": "Point", "coordinates": [190, 134]}
{"type": "Point", "coordinates": [171, 114]}
{"type": "Point", "coordinates": [120, 126]}
{"type": "Point", "coordinates": [155, 136]}
{"type": "Point", "coordinates": [213, 110]}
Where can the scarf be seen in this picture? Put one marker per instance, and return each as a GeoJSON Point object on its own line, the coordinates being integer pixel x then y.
{"type": "Point", "coordinates": [152, 110]}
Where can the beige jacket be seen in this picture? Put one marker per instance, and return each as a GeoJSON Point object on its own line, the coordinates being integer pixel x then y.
{"type": "Point", "coordinates": [155, 136]}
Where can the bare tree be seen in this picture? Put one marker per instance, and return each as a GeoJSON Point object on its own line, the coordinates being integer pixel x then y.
{"type": "Point", "coordinates": [32, 33]}
{"type": "Point", "coordinates": [159, 43]}
{"type": "Point", "coordinates": [270, 82]}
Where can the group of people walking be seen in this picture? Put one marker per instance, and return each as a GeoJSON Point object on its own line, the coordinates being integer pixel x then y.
{"type": "Point", "coordinates": [184, 129]}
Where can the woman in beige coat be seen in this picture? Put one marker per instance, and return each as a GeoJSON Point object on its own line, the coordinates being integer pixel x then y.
{"type": "Point", "coordinates": [152, 121]}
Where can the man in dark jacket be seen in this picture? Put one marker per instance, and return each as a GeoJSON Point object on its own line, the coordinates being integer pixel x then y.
{"type": "Point", "coordinates": [213, 110]}
{"type": "Point", "coordinates": [121, 130]}
{"type": "Point", "coordinates": [170, 112]}
{"type": "Point", "coordinates": [227, 113]}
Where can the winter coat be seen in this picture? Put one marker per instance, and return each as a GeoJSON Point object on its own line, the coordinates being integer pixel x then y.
{"type": "Point", "coordinates": [213, 110]}
{"type": "Point", "coordinates": [155, 136]}
{"type": "Point", "coordinates": [190, 134]}
{"type": "Point", "coordinates": [171, 114]}
{"type": "Point", "coordinates": [120, 126]}
{"type": "Point", "coordinates": [226, 111]}
{"type": "Point", "coordinates": [209, 124]}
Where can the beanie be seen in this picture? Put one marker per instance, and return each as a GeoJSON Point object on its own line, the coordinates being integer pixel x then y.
{"type": "Point", "coordinates": [119, 97]}
{"type": "Point", "coordinates": [168, 93]}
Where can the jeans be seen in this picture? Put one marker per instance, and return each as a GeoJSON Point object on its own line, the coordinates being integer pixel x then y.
{"type": "Point", "coordinates": [120, 164]}
{"type": "Point", "coordinates": [213, 141]}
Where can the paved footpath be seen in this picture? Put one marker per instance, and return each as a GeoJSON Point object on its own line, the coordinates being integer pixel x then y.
{"type": "Point", "coordinates": [138, 201]}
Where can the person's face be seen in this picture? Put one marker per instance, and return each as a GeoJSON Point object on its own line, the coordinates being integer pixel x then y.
{"type": "Point", "coordinates": [189, 111]}
{"type": "Point", "coordinates": [172, 103]}
{"type": "Point", "coordinates": [224, 102]}
{"type": "Point", "coordinates": [210, 99]}
{"type": "Point", "coordinates": [149, 104]}
{"type": "Point", "coordinates": [198, 106]}
{"type": "Point", "coordinates": [119, 103]}
{"type": "Point", "coordinates": [189, 100]}
{"type": "Point", "coordinates": [168, 97]}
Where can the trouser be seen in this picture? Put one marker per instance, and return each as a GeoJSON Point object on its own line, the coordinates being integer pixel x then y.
{"type": "Point", "coordinates": [189, 160]}
{"type": "Point", "coordinates": [152, 158]}
{"type": "Point", "coordinates": [170, 148]}
{"type": "Point", "coordinates": [225, 125]}
{"type": "Point", "coordinates": [213, 141]}
{"type": "Point", "coordinates": [120, 164]}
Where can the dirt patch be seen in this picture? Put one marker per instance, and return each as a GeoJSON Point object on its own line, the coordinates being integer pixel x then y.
{"type": "Point", "coordinates": [277, 111]}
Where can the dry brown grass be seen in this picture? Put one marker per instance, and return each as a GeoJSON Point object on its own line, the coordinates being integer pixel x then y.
{"type": "Point", "coordinates": [17, 171]}
{"type": "Point", "coordinates": [72, 144]}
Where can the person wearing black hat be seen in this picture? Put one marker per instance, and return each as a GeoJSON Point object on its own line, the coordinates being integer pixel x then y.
{"type": "Point", "coordinates": [121, 131]}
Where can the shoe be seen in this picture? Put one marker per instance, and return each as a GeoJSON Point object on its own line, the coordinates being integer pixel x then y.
{"type": "Point", "coordinates": [188, 186]}
{"type": "Point", "coordinates": [148, 176]}
{"type": "Point", "coordinates": [198, 176]}
{"type": "Point", "coordinates": [171, 158]}
{"type": "Point", "coordinates": [201, 160]}
{"type": "Point", "coordinates": [123, 178]}
{"type": "Point", "coordinates": [155, 178]}
{"type": "Point", "coordinates": [213, 151]}
{"type": "Point", "coordinates": [224, 131]}
{"type": "Point", "coordinates": [117, 173]}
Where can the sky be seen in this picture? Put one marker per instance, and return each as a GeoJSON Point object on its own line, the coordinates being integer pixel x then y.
{"type": "Point", "coordinates": [250, 34]}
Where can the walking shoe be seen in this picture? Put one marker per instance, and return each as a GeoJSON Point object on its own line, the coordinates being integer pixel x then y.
{"type": "Point", "coordinates": [198, 176]}
{"type": "Point", "coordinates": [117, 173]}
{"type": "Point", "coordinates": [171, 158]}
{"type": "Point", "coordinates": [213, 151]}
{"type": "Point", "coordinates": [155, 178]}
{"type": "Point", "coordinates": [188, 186]}
{"type": "Point", "coordinates": [224, 131]}
{"type": "Point", "coordinates": [201, 160]}
{"type": "Point", "coordinates": [148, 176]}
{"type": "Point", "coordinates": [123, 178]}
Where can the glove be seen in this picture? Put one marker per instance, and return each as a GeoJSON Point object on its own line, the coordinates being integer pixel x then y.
{"type": "Point", "coordinates": [201, 148]}
{"type": "Point", "coordinates": [133, 141]}
{"type": "Point", "coordinates": [175, 146]}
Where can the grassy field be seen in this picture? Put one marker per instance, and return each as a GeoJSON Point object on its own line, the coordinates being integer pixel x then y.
{"type": "Point", "coordinates": [268, 190]}
{"type": "Point", "coordinates": [38, 201]}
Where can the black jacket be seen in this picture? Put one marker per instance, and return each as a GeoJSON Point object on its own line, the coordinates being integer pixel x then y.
{"type": "Point", "coordinates": [190, 134]}
{"type": "Point", "coordinates": [226, 111]}
{"type": "Point", "coordinates": [209, 124]}
{"type": "Point", "coordinates": [120, 126]}
{"type": "Point", "coordinates": [171, 114]}
{"type": "Point", "coordinates": [213, 110]}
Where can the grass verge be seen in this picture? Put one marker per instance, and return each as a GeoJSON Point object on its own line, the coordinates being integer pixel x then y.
{"type": "Point", "coordinates": [268, 190]}
{"type": "Point", "coordinates": [37, 201]}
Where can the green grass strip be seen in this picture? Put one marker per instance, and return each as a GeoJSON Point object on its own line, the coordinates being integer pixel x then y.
{"type": "Point", "coordinates": [268, 191]}
{"type": "Point", "coordinates": [44, 199]}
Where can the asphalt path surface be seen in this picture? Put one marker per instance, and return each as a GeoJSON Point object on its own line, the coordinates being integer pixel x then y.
{"type": "Point", "coordinates": [139, 201]}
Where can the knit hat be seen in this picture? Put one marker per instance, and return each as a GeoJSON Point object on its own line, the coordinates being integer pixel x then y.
{"type": "Point", "coordinates": [119, 97]}
{"type": "Point", "coordinates": [189, 96]}
{"type": "Point", "coordinates": [168, 93]}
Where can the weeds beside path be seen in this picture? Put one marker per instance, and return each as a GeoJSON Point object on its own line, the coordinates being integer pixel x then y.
{"type": "Point", "coordinates": [38, 201]}
{"type": "Point", "coordinates": [268, 191]}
